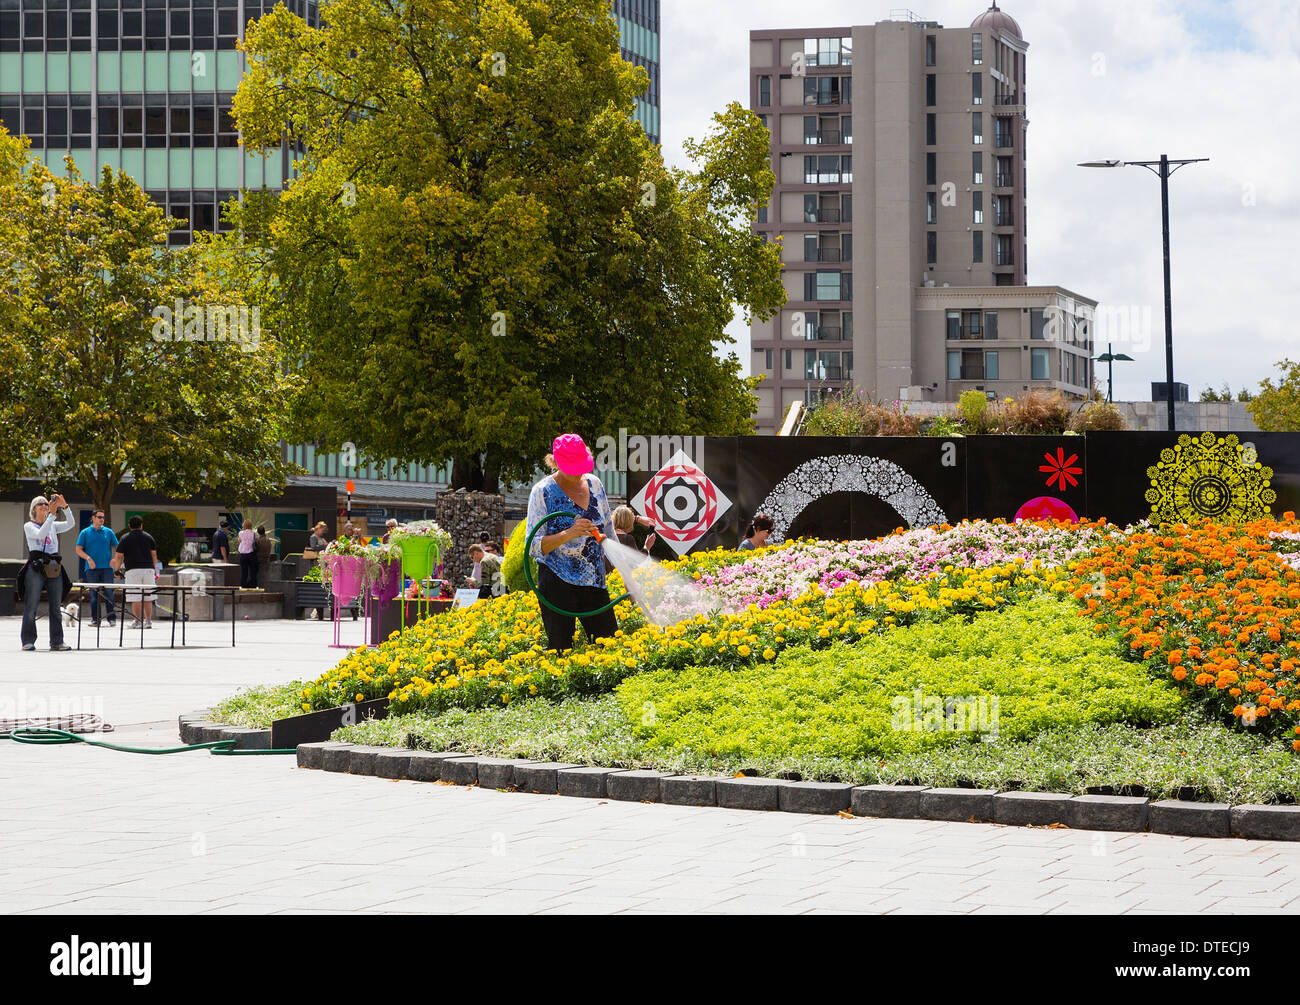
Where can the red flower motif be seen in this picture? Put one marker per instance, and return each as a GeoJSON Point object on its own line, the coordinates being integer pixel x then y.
{"type": "Point", "coordinates": [1062, 469]}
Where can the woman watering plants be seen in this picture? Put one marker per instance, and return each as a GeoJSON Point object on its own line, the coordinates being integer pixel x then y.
{"type": "Point", "coordinates": [571, 564]}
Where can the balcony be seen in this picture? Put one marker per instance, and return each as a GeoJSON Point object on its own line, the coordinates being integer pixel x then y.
{"type": "Point", "coordinates": [974, 371]}
{"type": "Point", "coordinates": [1004, 181]}
{"type": "Point", "coordinates": [1007, 219]}
{"type": "Point", "coordinates": [822, 216]}
{"type": "Point", "coordinates": [1006, 261]}
{"type": "Point", "coordinates": [1003, 141]}
{"type": "Point", "coordinates": [825, 136]}
{"type": "Point", "coordinates": [822, 98]}
{"type": "Point", "coordinates": [1006, 99]}
{"type": "Point", "coordinates": [823, 333]}
{"type": "Point", "coordinates": [823, 255]}
{"type": "Point", "coordinates": [963, 334]}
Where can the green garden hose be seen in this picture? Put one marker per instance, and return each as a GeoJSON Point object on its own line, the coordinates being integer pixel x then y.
{"type": "Point", "coordinates": [40, 735]}
{"type": "Point", "coordinates": [532, 583]}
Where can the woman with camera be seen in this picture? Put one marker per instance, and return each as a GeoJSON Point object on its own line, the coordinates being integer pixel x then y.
{"type": "Point", "coordinates": [44, 569]}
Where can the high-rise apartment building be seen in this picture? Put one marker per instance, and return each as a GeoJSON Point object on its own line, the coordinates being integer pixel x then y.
{"type": "Point", "coordinates": [638, 29]}
{"type": "Point", "coordinates": [146, 87]}
{"type": "Point", "coordinates": [905, 271]}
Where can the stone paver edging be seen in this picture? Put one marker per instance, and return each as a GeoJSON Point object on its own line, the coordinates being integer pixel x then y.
{"type": "Point", "coordinates": [1040, 809]}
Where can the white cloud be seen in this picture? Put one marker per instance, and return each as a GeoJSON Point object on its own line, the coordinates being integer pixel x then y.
{"type": "Point", "coordinates": [1107, 78]}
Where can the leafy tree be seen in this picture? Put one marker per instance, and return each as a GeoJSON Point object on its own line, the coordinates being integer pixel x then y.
{"type": "Point", "coordinates": [482, 247]}
{"type": "Point", "coordinates": [1276, 408]}
{"type": "Point", "coordinates": [1225, 394]}
{"type": "Point", "coordinates": [106, 388]}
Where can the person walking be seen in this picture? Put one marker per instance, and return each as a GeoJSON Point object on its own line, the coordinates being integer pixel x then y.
{"type": "Point", "coordinates": [137, 557]}
{"type": "Point", "coordinates": [44, 570]}
{"type": "Point", "coordinates": [95, 546]}
{"type": "Point", "coordinates": [247, 557]}
{"type": "Point", "coordinates": [570, 562]}
{"type": "Point", "coordinates": [265, 547]}
{"type": "Point", "coordinates": [221, 543]}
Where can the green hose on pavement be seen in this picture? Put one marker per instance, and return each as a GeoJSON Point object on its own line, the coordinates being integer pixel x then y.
{"type": "Point", "coordinates": [39, 735]}
{"type": "Point", "coordinates": [528, 574]}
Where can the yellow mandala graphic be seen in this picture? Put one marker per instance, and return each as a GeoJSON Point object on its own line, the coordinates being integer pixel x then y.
{"type": "Point", "coordinates": [1209, 477]}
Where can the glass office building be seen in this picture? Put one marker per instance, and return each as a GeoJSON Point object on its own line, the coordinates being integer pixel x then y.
{"type": "Point", "coordinates": [146, 87]}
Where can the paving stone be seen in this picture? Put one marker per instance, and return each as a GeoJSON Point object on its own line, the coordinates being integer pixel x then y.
{"type": "Point", "coordinates": [1180, 816]}
{"type": "Point", "coordinates": [748, 793]}
{"type": "Point", "coordinates": [392, 762]}
{"type": "Point", "coordinates": [1037, 808]}
{"type": "Point", "coordinates": [901, 802]}
{"type": "Point", "coordinates": [815, 797]}
{"type": "Point", "coordinates": [636, 786]}
{"type": "Point", "coordinates": [336, 758]}
{"type": "Point", "coordinates": [1109, 813]}
{"type": "Point", "coordinates": [688, 790]}
{"type": "Point", "coordinates": [461, 770]}
{"type": "Point", "coordinates": [192, 729]}
{"type": "Point", "coordinates": [957, 804]}
{"type": "Point", "coordinates": [426, 765]}
{"type": "Point", "coordinates": [497, 772]}
{"type": "Point", "coordinates": [1266, 823]}
{"type": "Point", "coordinates": [209, 732]}
{"type": "Point", "coordinates": [362, 759]}
{"type": "Point", "coordinates": [312, 755]}
{"type": "Point", "coordinates": [586, 781]}
{"type": "Point", "coordinates": [539, 776]}
{"type": "Point", "coordinates": [246, 738]}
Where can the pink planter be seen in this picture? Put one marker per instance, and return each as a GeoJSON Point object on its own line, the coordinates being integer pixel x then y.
{"type": "Point", "coordinates": [387, 586]}
{"type": "Point", "coordinates": [347, 572]}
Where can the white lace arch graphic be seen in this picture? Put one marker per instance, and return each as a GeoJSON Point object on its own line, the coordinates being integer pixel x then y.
{"type": "Point", "coordinates": [849, 473]}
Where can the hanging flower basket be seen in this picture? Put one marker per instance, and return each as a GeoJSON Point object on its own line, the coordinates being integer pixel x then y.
{"type": "Point", "coordinates": [388, 583]}
{"type": "Point", "coordinates": [347, 575]}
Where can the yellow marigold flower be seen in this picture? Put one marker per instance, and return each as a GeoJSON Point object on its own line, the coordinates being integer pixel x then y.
{"type": "Point", "coordinates": [769, 654]}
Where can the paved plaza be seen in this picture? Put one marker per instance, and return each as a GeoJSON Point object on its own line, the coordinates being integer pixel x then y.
{"type": "Point", "coordinates": [90, 831]}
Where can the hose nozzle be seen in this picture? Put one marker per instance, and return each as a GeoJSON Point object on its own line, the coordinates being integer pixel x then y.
{"type": "Point", "coordinates": [598, 536]}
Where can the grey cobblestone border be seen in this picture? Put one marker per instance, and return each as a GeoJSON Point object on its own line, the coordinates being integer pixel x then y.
{"type": "Point", "coordinates": [920, 802]}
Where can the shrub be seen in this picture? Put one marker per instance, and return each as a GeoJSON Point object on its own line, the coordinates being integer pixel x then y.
{"type": "Point", "coordinates": [1037, 412]}
{"type": "Point", "coordinates": [974, 409]}
{"type": "Point", "coordinates": [512, 564]}
{"type": "Point", "coordinates": [859, 414]}
{"type": "Point", "coordinates": [943, 425]}
{"type": "Point", "coordinates": [168, 533]}
{"type": "Point", "coordinates": [1097, 416]}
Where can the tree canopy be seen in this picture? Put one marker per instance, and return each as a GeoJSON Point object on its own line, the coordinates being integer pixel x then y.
{"type": "Point", "coordinates": [1276, 408]}
{"type": "Point", "coordinates": [482, 249]}
{"type": "Point", "coordinates": [124, 356]}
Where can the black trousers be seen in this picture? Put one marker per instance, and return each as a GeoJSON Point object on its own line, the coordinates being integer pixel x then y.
{"type": "Point", "coordinates": [248, 570]}
{"type": "Point", "coordinates": [559, 627]}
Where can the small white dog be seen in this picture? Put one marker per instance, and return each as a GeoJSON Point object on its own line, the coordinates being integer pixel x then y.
{"type": "Point", "coordinates": [69, 615]}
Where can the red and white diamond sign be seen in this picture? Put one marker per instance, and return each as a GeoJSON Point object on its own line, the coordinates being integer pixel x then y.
{"type": "Point", "coordinates": [682, 501]}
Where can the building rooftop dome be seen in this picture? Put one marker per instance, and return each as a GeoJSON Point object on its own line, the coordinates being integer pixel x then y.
{"type": "Point", "coordinates": [994, 19]}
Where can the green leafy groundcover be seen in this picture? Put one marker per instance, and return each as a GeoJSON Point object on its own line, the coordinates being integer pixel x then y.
{"type": "Point", "coordinates": [1015, 672]}
{"type": "Point", "coordinates": [1192, 758]}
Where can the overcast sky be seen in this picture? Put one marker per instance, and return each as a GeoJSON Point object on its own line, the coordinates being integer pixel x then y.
{"type": "Point", "coordinates": [1128, 79]}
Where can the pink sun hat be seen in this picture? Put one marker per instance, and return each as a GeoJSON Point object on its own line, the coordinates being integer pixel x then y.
{"type": "Point", "coordinates": [571, 455]}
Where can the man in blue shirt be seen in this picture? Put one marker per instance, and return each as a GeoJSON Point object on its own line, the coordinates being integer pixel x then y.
{"type": "Point", "coordinates": [96, 545]}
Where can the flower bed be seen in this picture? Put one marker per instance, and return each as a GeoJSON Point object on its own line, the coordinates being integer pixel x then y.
{"type": "Point", "coordinates": [1214, 607]}
{"type": "Point", "coordinates": [1200, 624]}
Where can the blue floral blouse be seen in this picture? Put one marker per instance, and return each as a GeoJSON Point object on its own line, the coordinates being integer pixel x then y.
{"type": "Point", "coordinates": [580, 561]}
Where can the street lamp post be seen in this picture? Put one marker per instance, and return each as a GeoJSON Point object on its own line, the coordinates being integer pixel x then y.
{"type": "Point", "coordinates": [1162, 168]}
{"type": "Point", "coordinates": [1110, 359]}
